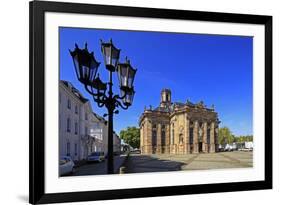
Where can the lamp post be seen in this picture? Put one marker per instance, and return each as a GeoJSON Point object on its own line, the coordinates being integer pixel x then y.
{"type": "Point", "coordinates": [86, 69]}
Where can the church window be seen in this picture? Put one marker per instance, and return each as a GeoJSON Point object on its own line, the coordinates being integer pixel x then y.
{"type": "Point", "coordinates": [163, 133]}
{"type": "Point", "coordinates": [191, 135]}
{"type": "Point", "coordinates": [154, 135]}
{"type": "Point", "coordinates": [181, 138]}
{"type": "Point", "coordinates": [208, 136]}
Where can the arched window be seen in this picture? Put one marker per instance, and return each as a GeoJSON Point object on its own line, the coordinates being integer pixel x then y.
{"type": "Point", "coordinates": [191, 135]}
{"type": "Point", "coordinates": [181, 138]}
{"type": "Point", "coordinates": [163, 135]}
{"type": "Point", "coordinates": [208, 136]}
{"type": "Point", "coordinates": [154, 135]}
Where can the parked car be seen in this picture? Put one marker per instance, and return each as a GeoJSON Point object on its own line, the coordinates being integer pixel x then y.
{"type": "Point", "coordinates": [228, 148]}
{"type": "Point", "coordinates": [136, 151]}
{"type": "Point", "coordinates": [96, 157]}
{"type": "Point", "coordinates": [221, 148]}
{"type": "Point", "coordinates": [66, 166]}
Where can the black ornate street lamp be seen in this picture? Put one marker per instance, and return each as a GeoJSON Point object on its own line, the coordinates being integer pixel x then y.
{"type": "Point", "coordinates": [86, 68]}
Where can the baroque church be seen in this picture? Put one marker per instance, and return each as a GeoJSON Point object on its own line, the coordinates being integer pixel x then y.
{"type": "Point", "coordinates": [178, 128]}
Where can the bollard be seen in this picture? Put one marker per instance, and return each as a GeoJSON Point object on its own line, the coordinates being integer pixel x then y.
{"type": "Point", "coordinates": [122, 170]}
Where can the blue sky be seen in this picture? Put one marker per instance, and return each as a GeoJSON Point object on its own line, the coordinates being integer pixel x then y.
{"type": "Point", "coordinates": [214, 68]}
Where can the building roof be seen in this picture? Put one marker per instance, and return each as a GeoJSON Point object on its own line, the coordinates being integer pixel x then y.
{"type": "Point", "coordinates": [169, 108]}
{"type": "Point", "coordinates": [100, 118]}
{"type": "Point", "coordinates": [75, 91]}
{"type": "Point", "coordinates": [163, 109]}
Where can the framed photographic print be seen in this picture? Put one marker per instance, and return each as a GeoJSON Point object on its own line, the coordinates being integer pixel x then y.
{"type": "Point", "coordinates": [132, 102]}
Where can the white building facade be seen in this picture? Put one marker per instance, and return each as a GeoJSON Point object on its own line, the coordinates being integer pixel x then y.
{"type": "Point", "coordinates": [70, 106]}
{"type": "Point", "coordinates": [81, 131]}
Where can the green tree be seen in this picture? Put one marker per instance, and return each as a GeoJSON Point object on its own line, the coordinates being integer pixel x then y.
{"type": "Point", "coordinates": [247, 138]}
{"type": "Point", "coordinates": [131, 136]}
{"type": "Point", "coordinates": [225, 136]}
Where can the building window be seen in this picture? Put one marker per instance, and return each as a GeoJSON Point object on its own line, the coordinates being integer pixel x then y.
{"type": "Point", "coordinates": [181, 138]}
{"type": "Point", "coordinates": [86, 116]}
{"type": "Point", "coordinates": [86, 130]}
{"type": "Point", "coordinates": [68, 125]}
{"type": "Point", "coordinates": [154, 135]}
{"type": "Point", "coordinates": [191, 135]}
{"type": "Point", "coordinates": [68, 149]}
{"type": "Point", "coordinates": [76, 150]}
{"type": "Point", "coordinates": [76, 109]}
{"type": "Point", "coordinates": [208, 136]}
{"type": "Point", "coordinates": [68, 104]}
{"type": "Point", "coordinates": [163, 135]}
{"type": "Point", "coordinates": [76, 128]}
{"type": "Point", "coordinates": [163, 138]}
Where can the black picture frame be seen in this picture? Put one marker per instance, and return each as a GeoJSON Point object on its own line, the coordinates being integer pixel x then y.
{"type": "Point", "coordinates": [37, 10]}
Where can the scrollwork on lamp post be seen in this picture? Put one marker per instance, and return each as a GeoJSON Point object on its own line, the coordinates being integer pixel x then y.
{"type": "Point", "coordinates": [86, 69]}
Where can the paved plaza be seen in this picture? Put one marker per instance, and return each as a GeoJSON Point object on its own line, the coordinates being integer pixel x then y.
{"type": "Point", "coordinates": [98, 168]}
{"type": "Point", "coordinates": [155, 163]}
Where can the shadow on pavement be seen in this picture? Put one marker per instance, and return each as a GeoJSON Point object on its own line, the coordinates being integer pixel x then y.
{"type": "Point", "coordinates": [98, 168]}
{"type": "Point", "coordinates": [146, 163]}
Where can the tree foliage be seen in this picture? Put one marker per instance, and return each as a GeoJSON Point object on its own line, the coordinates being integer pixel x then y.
{"type": "Point", "coordinates": [226, 137]}
{"type": "Point", "coordinates": [131, 136]}
{"type": "Point", "coordinates": [247, 138]}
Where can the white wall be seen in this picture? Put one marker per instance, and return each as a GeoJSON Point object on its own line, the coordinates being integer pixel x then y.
{"type": "Point", "coordinates": [14, 100]}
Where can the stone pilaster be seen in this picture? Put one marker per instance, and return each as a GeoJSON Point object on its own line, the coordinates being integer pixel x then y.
{"type": "Point", "coordinates": [167, 138]}
{"type": "Point", "coordinates": [195, 137]}
{"type": "Point", "coordinates": [158, 141]}
{"type": "Point", "coordinates": [204, 141]}
{"type": "Point", "coordinates": [216, 137]}
{"type": "Point", "coordinates": [148, 139]}
{"type": "Point", "coordinates": [212, 138]}
{"type": "Point", "coordinates": [186, 137]}
{"type": "Point", "coordinates": [141, 138]}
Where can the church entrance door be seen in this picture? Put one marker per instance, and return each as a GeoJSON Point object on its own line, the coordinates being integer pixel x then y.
{"type": "Point", "coordinates": [200, 147]}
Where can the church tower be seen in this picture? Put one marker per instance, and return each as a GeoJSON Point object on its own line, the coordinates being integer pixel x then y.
{"type": "Point", "coordinates": [165, 97]}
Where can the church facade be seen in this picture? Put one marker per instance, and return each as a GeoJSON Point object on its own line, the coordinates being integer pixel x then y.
{"type": "Point", "coordinates": [178, 128]}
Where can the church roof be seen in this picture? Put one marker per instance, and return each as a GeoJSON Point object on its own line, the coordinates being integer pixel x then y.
{"type": "Point", "coordinates": [163, 109]}
{"type": "Point", "coordinates": [172, 106]}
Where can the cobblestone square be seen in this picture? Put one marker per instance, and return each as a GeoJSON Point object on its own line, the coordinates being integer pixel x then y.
{"type": "Point", "coordinates": [202, 161]}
